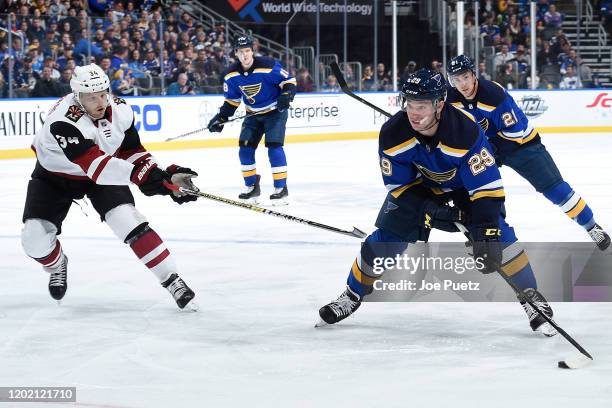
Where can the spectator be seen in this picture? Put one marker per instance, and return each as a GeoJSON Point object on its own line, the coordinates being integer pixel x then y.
{"type": "Point", "coordinates": [180, 87]}
{"type": "Point", "coordinates": [553, 18]}
{"type": "Point", "coordinates": [506, 77]}
{"type": "Point", "coordinates": [46, 86]}
{"type": "Point", "coordinates": [151, 63]}
{"type": "Point", "coordinates": [502, 57]}
{"type": "Point", "coordinates": [304, 81]}
{"type": "Point", "coordinates": [383, 78]}
{"type": "Point", "coordinates": [137, 67]}
{"type": "Point", "coordinates": [409, 69]}
{"type": "Point", "coordinates": [122, 82]}
{"type": "Point", "coordinates": [437, 66]}
{"type": "Point", "coordinates": [482, 71]}
{"type": "Point", "coordinates": [367, 80]}
{"type": "Point", "coordinates": [36, 31]}
{"type": "Point", "coordinates": [50, 62]}
{"type": "Point", "coordinates": [119, 59]}
{"type": "Point", "coordinates": [331, 85]}
{"type": "Point", "coordinates": [571, 59]}
{"type": "Point", "coordinates": [585, 74]}
{"type": "Point", "coordinates": [64, 82]}
{"type": "Point", "coordinates": [570, 79]}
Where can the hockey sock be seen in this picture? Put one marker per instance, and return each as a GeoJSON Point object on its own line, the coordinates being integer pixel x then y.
{"type": "Point", "coordinates": [152, 251]}
{"type": "Point", "coordinates": [571, 204]}
{"type": "Point", "coordinates": [515, 263]}
{"type": "Point", "coordinates": [54, 259]}
{"type": "Point", "coordinates": [278, 162]}
{"type": "Point", "coordinates": [247, 164]}
{"type": "Point", "coordinates": [366, 268]}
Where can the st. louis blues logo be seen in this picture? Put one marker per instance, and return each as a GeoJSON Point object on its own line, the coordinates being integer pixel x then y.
{"type": "Point", "coordinates": [435, 176]}
{"type": "Point", "coordinates": [250, 91]}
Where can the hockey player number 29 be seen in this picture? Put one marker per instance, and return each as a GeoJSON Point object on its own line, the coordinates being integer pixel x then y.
{"type": "Point", "coordinates": [480, 161]}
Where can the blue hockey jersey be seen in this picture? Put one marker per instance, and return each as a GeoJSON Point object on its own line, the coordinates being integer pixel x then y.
{"type": "Point", "coordinates": [503, 121]}
{"type": "Point", "coordinates": [258, 87]}
{"type": "Point", "coordinates": [458, 156]}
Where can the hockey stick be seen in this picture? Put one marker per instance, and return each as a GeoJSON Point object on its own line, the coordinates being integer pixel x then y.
{"type": "Point", "coordinates": [577, 361]}
{"type": "Point", "coordinates": [344, 86]}
{"type": "Point", "coordinates": [356, 232]}
{"type": "Point", "coordinates": [193, 132]}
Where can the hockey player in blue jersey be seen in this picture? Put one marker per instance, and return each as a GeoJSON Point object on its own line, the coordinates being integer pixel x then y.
{"type": "Point", "coordinates": [516, 143]}
{"type": "Point", "coordinates": [266, 89]}
{"type": "Point", "coordinates": [432, 153]}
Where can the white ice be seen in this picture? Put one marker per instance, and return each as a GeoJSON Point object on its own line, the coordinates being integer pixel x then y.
{"type": "Point", "coordinates": [119, 338]}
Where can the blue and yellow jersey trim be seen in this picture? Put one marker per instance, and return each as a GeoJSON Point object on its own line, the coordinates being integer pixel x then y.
{"type": "Point", "coordinates": [493, 189]}
{"type": "Point", "coordinates": [288, 81]}
{"type": "Point", "coordinates": [452, 151]}
{"type": "Point", "coordinates": [402, 147]}
{"type": "Point", "coordinates": [400, 190]}
{"type": "Point", "coordinates": [231, 75]}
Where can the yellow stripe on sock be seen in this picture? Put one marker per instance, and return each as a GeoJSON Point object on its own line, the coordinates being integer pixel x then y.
{"type": "Point", "coordinates": [279, 176]}
{"type": "Point", "coordinates": [515, 265]}
{"type": "Point", "coordinates": [577, 208]}
{"type": "Point", "coordinates": [249, 173]}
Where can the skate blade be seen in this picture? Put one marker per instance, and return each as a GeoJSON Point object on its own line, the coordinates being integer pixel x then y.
{"type": "Point", "coordinates": [252, 201]}
{"type": "Point", "coordinates": [547, 330]}
{"type": "Point", "coordinates": [279, 203]}
{"type": "Point", "coordinates": [191, 307]}
{"type": "Point", "coordinates": [321, 323]}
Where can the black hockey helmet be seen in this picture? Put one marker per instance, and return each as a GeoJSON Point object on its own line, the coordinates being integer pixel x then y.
{"type": "Point", "coordinates": [244, 41]}
{"type": "Point", "coordinates": [460, 64]}
{"type": "Point", "coordinates": [424, 85]}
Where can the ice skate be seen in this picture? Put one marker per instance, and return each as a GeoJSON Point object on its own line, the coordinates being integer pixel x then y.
{"type": "Point", "coordinates": [251, 193]}
{"type": "Point", "coordinates": [600, 237]}
{"type": "Point", "coordinates": [58, 280]}
{"type": "Point", "coordinates": [339, 309]}
{"type": "Point", "coordinates": [179, 290]}
{"type": "Point", "coordinates": [280, 196]}
{"type": "Point", "coordinates": [537, 322]}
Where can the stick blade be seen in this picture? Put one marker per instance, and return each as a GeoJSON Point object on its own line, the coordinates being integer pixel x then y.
{"type": "Point", "coordinates": [574, 362]}
{"type": "Point", "coordinates": [358, 233]}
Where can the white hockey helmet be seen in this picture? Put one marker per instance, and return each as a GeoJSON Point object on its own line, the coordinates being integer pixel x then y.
{"type": "Point", "coordinates": [89, 79]}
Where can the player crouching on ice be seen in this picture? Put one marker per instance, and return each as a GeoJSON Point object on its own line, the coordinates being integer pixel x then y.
{"type": "Point", "coordinates": [432, 153]}
{"type": "Point", "coordinates": [89, 146]}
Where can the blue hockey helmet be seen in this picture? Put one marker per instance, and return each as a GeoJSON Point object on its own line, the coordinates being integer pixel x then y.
{"type": "Point", "coordinates": [460, 64]}
{"type": "Point", "coordinates": [424, 85]}
{"type": "Point", "coordinates": [244, 41]}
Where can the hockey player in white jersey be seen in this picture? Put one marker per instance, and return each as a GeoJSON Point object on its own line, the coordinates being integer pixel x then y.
{"type": "Point", "coordinates": [89, 146]}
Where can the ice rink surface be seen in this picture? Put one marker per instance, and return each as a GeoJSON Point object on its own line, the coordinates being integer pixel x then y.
{"type": "Point", "coordinates": [119, 338]}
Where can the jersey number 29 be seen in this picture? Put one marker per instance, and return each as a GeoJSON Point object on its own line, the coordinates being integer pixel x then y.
{"type": "Point", "coordinates": [480, 161]}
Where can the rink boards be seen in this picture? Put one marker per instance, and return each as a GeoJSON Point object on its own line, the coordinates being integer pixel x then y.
{"type": "Point", "coordinates": [313, 117]}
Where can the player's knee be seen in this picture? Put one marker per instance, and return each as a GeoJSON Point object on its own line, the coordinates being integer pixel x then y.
{"type": "Point", "coordinates": [249, 143]}
{"type": "Point", "coordinates": [38, 237]}
{"type": "Point", "coordinates": [123, 219]}
{"type": "Point", "coordinates": [137, 232]}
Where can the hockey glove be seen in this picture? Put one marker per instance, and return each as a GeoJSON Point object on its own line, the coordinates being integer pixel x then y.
{"type": "Point", "coordinates": [282, 103]}
{"type": "Point", "coordinates": [487, 248]}
{"type": "Point", "coordinates": [149, 178]}
{"type": "Point", "coordinates": [442, 217]}
{"type": "Point", "coordinates": [216, 123]}
{"type": "Point", "coordinates": [181, 176]}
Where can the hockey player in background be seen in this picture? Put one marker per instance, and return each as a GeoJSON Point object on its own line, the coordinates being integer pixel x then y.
{"type": "Point", "coordinates": [517, 143]}
{"type": "Point", "coordinates": [267, 90]}
{"type": "Point", "coordinates": [432, 153]}
{"type": "Point", "coordinates": [89, 146]}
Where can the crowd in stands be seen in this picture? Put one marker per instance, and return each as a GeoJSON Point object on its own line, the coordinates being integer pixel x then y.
{"type": "Point", "coordinates": [128, 38]}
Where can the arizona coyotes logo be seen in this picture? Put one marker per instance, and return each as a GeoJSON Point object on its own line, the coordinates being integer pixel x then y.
{"type": "Point", "coordinates": [437, 177]}
{"type": "Point", "coordinates": [250, 91]}
{"type": "Point", "coordinates": [74, 113]}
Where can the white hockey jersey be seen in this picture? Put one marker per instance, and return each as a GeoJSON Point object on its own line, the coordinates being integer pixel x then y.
{"type": "Point", "coordinates": [72, 145]}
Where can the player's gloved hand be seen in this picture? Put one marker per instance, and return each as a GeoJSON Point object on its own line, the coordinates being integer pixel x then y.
{"type": "Point", "coordinates": [181, 176]}
{"type": "Point", "coordinates": [283, 101]}
{"type": "Point", "coordinates": [442, 217]}
{"type": "Point", "coordinates": [149, 178]}
{"type": "Point", "coordinates": [216, 123]}
{"type": "Point", "coordinates": [487, 248]}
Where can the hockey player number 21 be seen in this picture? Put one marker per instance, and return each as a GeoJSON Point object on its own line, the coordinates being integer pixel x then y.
{"type": "Point", "coordinates": [480, 161]}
